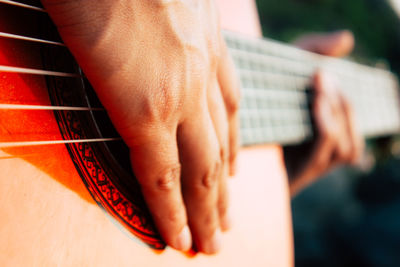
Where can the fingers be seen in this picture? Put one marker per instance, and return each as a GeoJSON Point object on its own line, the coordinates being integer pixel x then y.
{"type": "Point", "coordinates": [335, 44]}
{"type": "Point", "coordinates": [201, 168]}
{"type": "Point", "coordinates": [325, 126]}
{"type": "Point", "coordinates": [233, 141]}
{"type": "Point", "coordinates": [230, 90]}
{"type": "Point", "coordinates": [219, 118]}
{"type": "Point", "coordinates": [338, 140]}
{"type": "Point", "coordinates": [156, 164]}
{"type": "Point", "coordinates": [355, 140]}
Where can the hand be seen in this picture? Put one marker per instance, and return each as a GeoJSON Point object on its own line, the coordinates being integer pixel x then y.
{"type": "Point", "coordinates": [337, 140]}
{"type": "Point", "coordinates": [162, 71]}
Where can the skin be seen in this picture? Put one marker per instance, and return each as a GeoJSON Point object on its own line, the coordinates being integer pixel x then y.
{"type": "Point", "coordinates": [337, 141]}
{"type": "Point", "coordinates": [162, 71]}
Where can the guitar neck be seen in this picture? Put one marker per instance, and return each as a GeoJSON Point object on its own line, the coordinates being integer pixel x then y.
{"type": "Point", "coordinates": [275, 105]}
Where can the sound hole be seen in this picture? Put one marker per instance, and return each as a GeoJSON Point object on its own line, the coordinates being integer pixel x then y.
{"type": "Point", "coordinates": [104, 167]}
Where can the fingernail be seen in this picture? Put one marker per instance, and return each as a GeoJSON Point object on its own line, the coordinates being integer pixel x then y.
{"type": "Point", "coordinates": [215, 243]}
{"type": "Point", "coordinates": [184, 240]}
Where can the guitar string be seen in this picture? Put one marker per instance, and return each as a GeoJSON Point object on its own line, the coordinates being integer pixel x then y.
{"type": "Point", "coordinates": [56, 142]}
{"type": "Point", "coordinates": [29, 39]}
{"type": "Point", "coordinates": [4, 68]}
{"type": "Point", "coordinates": [273, 106]}
{"type": "Point", "coordinates": [43, 107]}
{"type": "Point", "coordinates": [16, 144]}
{"type": "Point", "coordinates": [18, 4]}
{"type": "Point", "coordinates": [23, 70]}
{"type": "Point", "coordinates": [273, 127]}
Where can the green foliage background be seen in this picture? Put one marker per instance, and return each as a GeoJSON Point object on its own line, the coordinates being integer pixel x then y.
{"type": "Point", "coordinates": [374, 24]}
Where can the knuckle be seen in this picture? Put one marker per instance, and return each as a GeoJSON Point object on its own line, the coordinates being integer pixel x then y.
{"type": "Point", "coordinates": [224, 155]}
{"type": "Point", "coordinates": [209, 222]}
{"type": "Point", "coordinates": [212, 221]}
{"type": "Point", "coordinates": [223, 206]}
{"type": "Point", "coordinates": [232, 102]}
{"type": "Point", "coordinates": [209, 219]}
{"type": "Point", "coordinates": [160, 104]}
{"type": "Point", "coordinates": [166, 181]}
{"type": "Point", "coordinates": [209, 179]}
{"type": "Point", "coordinates": [233, 151]}
{"type": "Point", "coordinates": [175, 215]}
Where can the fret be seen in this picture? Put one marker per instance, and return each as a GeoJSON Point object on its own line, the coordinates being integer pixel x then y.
{"type": "Point", "coordinates": [270, 47]}
{"type": "Point", "coordinates": [250, 61]}
{"type": "Point", "coordinates": [267, 98]}
{"type": "Point", "coordinates": [274, 103]}
{"type": "Point", "coordinates": [275, 116]}
{"type": "Point", "coordinates": [261, 62]}
{"type": "Point", "coordinates": [259, 79]}
{"type": "Point", "coordinates": [281, 134]}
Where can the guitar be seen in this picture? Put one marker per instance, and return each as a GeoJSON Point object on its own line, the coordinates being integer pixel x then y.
{"type": "Point", "coordinates": [58, 153]}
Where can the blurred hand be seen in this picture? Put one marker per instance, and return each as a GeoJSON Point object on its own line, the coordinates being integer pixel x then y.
{"type": "Point", "coordinates": [335, 44]}
{"type": "Point", "coordinates": [337, 140]}
{"type": "Point", "coordinates": [162, 71]}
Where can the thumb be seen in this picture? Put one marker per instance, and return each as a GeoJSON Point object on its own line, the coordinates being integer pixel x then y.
{"type": "Point", "coordinates": [335, 44]}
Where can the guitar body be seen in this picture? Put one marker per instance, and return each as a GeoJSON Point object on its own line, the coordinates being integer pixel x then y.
{"type": "Point", "coordinates": [48, 217]}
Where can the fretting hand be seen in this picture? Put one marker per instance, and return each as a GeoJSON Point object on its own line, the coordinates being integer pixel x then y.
{"type": "Point", "coordinates": [337, 140]}
{"type": "Point", "coordinates": [161, 70]}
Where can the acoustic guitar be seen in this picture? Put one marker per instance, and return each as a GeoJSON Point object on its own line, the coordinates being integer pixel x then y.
{"type": "Point", "coordinates": [68, 196]}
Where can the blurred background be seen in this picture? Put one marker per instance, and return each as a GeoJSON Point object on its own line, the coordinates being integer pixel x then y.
{"type": "Point", "coordinates": [350, 217]}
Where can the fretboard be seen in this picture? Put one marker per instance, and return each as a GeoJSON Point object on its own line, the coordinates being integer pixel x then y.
{"type": "Point", "coordinates": [275, 78]}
